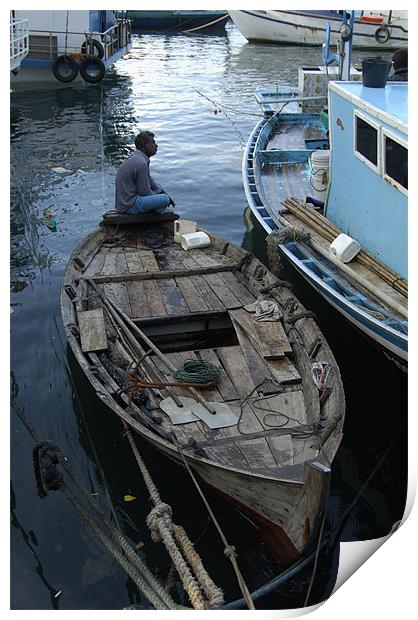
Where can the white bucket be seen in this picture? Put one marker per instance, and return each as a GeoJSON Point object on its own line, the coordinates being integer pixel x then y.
{"type": "Point", "coordinates": [183, 227]}
{"type": "Point", "coordinates": [319, 164]}
{"type": "Point", "coordinates": [194, 240]}
{"type": "Point", "coordinates": [344, 248]}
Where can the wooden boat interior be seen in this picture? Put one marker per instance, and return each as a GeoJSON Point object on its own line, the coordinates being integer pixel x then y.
{"type": "Point", "coordinates": [191, 304]}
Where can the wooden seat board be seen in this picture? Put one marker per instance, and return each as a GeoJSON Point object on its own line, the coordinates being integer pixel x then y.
{"type": "Point", "coordinates": [212, 301]}
{"type": "Point", "coordinates": [138, 299]}
{"type": "Point", "coordinates": [173, 299]}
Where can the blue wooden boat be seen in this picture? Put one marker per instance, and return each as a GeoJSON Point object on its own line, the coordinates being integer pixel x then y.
{"type": "Point", "coordinates": [364, 196]}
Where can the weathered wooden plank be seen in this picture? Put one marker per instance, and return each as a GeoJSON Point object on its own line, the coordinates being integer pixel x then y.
{"type": "Point", "coordinates": [121, 264]}
{"type": "Point", "coordinates": [273, 339]}
{"type": "Point", "coordinates": [284, 371]}
{"type": "Point", "coordinates": [118, 294]}
{"type": "Point", "coordinates": [149, 261]}
{"type": "Point", "coordinates": [220, 289]}
{"type": "Point", "coordinates": [224, 385]}
{"type": "Point", "coordinates": [162, 274]}
{"type": "Point", "coordinates": [138, 299]}
{"type": "Point", "coordinates": [282, 449]}
{"type": "Point", "coordinates": [212, 301]}
{"type": "Point", "coordinates": [184, 257]}
{"type": "Point", "coordinates": [134, 262]}
{"type": "Point", "coordinates": [173, 299]}
{"type": "Point", "coordinates": [194, 300]}
{"type": "Point", "coordinates": [154, 297]}
{"type": "Point", "coordinates": [237, 288]}
{"type": "Point", "coordinates": [109, 267]}
{"type": "Point", "coordinates": [96, 265]}
{"type": "Point", "coordinates": [258, 367]}
{"type": "Point", "coordinates": [92, 330]}
{"type": "Point", "coordinates": [203, 258]}
{"type": "Point", "coordinates": [235, 365]}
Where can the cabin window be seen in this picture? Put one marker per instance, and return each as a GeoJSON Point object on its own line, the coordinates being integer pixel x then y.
{"type": "Point", "coordinates": [366, 140]}
{"type": "Point", "coordinates": [395, 157]}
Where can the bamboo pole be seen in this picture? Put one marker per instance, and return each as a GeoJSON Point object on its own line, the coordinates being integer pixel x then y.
{"type": "Point", "coordinates": [321, 225]}
{"type": "Point", "coordinates": [353, 275]}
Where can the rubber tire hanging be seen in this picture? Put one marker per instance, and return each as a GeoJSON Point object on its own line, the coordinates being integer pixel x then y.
{"type": "Point", "coordinates": [92, 47]}
{"type": "Point", "coordinates": [92, 69]}
{"type": "Point", "coordinates": [65, 68]}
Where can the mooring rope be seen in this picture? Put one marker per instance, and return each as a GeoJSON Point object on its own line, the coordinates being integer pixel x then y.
{"type": "Point", "coordinates": [47, 457]}
{"type": "Point", "coordinates": [197, 371]}
{"type": "Point", "coordinates": [177, 543]}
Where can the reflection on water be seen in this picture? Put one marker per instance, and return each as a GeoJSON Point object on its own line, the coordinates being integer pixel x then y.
{"type": "Point", "coordinates": [66, 146]}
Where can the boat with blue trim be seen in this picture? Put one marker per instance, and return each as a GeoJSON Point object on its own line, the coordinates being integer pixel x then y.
{"type": "Point", "coordinates": [383, 29]}
{"type": "Point", "coordinates": [69, 46]}
{"type": "Point", "coordinates": [321, 180]}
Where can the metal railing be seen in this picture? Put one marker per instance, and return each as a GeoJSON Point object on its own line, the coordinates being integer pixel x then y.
{"type": "Point", "coordinates": [49, 44]}
{"type": "Point", "coordinates": [19, 42]}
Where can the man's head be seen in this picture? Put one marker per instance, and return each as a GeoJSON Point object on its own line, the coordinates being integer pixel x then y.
{"type": "Point", "coordinates": [145, 142]}
{"type": "Point", "coordinates": [400, 59]}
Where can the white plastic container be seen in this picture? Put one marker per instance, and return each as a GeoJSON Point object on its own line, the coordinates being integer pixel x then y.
{"type": "Point", "coordinates": [319, 164]}
{"type": "Point", "coordinates": [344, 248]}
{"type": "Point", "coordinates": [194, 240]}
{"type": "Point", "coordinates": [183, 227]}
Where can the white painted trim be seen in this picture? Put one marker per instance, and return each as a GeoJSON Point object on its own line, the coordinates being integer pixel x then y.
{"type": "Point", "coordinates": [368, 107]}
{"type": "Point", "coordinates": [387, 177]}
{"type": "Point", "coordinates": [367, 119]}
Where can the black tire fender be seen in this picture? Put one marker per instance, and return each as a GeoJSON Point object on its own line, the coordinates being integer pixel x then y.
{"type": "Point", "coordinates": [65, 68]}
{"type": "Point", "coordinates": [92, 69]}
{"type": "Point", "coordinates": [92, 47]}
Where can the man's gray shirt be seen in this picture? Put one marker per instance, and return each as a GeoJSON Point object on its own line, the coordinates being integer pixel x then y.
{"type": "Point", "coordinates": [133, 179]}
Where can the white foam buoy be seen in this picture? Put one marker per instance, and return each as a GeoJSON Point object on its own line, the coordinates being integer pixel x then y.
{"type": "Point", "coordinates": [344, 248]}
{"type": "Point", "coordinates": [194, 240]}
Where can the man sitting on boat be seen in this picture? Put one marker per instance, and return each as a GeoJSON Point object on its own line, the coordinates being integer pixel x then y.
{"type": "Point", "coordinates": [136, 190]}
{"type": "Point", "coordinates": [400, 66]}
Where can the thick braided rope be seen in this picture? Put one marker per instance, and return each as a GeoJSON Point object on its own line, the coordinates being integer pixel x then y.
{"type": "Point", "coordinates": [197, 371]}
{"type": "Point", "coordinates": [213, 593]}
{"type": "Point", "coordinates": [160, 523]}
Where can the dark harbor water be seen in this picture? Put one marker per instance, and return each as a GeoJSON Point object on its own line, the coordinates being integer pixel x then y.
{"type": "Point", "coordinates": [196, 94]}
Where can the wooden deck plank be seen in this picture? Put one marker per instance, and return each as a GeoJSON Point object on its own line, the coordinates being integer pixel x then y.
{"type": "Point", "coordinates": [173, 299]}
{"type": "Point", "coordinates": [235, 365]}
{"type": "Point", "coordinates": [149, 261]}
{"type": "Point", "coordinates": [212, 301]}
{"type": "Point", "coordinates": [257, 365]}
{"type": "Point", "coordinates": [237, 288]}
{"type": "Point", "coordinates": [222, 291]}
{"type": "Point", "coordinates": [118, 293]}
{"type": "Point", "coordinates": [194, 300]}
{"type": "Point", "coordinates": [224, 385]}
{"type": "Point", "coordinates": [133, 260]}
{"type": "Point", "coordinates": [138, 299]}
{"type": "Point", "coordinates": [153, 294]}
{"type": "Point", "coordinates": [284, 371]}
{"type": "Point", "coordinates": [109, 266]}
{"type": "Point", "coordinates": [96, 266]}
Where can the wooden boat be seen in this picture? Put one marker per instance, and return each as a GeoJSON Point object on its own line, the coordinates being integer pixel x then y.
{"type": "Point", "coordinates": [366, 201]}
{"type": "Point", "coordinates": [374, 29]}
{"type": "Point", "coordinates": [134, 309]}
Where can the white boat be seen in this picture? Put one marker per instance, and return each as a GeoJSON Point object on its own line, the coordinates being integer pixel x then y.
{"type": "Point", "coordinates": [68, 46]}
{"type": "Point", "coordinates": [375, 29]}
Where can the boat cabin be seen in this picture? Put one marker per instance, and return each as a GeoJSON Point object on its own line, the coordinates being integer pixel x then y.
{"type": "Point", "coordinates": [368, 190]}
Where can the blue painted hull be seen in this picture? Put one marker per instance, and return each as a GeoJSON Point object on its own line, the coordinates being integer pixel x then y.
{"type": "Point", "coordinates": [390, 333]}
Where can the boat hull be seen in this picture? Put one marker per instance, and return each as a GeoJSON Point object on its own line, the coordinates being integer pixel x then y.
{"type": "Point", "coordinates": [392, 342]}
{"type": "Point", "coordinates": [285, 502]}
{"type": "Point", "coordinates": [157, 21]}
{"type": "Point", "coordinates": [308, 28]}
